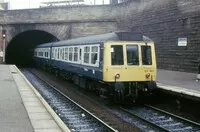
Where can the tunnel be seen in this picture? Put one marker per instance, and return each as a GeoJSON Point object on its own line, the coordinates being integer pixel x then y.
{"type": "Point", "coordinates": [20, 49]}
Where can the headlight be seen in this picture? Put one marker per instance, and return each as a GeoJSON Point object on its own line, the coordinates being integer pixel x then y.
{"type": "Point", "coordinates": [117, 76]}
{"type": "Point", "coordinates": [147, 75]}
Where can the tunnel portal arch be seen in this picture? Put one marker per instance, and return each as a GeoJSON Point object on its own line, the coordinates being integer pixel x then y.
{"type": "Point", "coordinates": [19, 50]}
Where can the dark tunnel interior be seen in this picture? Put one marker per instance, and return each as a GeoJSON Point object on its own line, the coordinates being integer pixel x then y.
{"type": "Point", "coordinates": [21, 48]}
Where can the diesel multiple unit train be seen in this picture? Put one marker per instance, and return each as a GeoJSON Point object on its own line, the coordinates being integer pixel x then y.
{"type": "Point", "coordinates": [118, 65]}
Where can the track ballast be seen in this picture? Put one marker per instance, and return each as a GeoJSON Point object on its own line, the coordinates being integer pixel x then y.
{"type": "Point", "coordinates": [73, 115]}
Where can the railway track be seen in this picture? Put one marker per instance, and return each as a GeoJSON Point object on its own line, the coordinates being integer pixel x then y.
{"type": "Point", "coordinates": [161, 120]}
{"type": "Point", "coordinates": [73, 115]}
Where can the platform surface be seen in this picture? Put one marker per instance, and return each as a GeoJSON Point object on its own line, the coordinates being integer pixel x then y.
{"type": "Point", "coordinates": [14, 117]}
{"type": "Point", "coordinates": [21, 110]}
{"type": "Point", "coordinates": [181, 82]}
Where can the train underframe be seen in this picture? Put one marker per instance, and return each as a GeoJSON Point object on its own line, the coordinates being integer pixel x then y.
{"type": "Point", "coordinates": [118, 92]}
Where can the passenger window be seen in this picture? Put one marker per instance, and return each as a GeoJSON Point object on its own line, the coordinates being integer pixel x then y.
{"type": "Point", "coordinates": [132, 55]}
{"type": "Point", "coordinates": [117, 57]}
{"type": "Point", "coordinates": [63, 54]}
{"type": "Point", "coordinates": [58, 53]}
{"type": "Point", "coordinates": [52, 53]}
{"type": "Point", "coordinates": [94, 54]}
{"type": "Point", "coordinates": [75, 54]}
{"type": "Point", "coordinates": [80, 54]}
{"type": "Point", "coordinates": [86, 54]}
{"type": "Point", "coordinates": [70, 53]}
{"type": "Point", "coordinates": [146, 55]}
{"type": "Point", "coordinates": [55, 54]}
{"type": "Point", "coordinates": [66, 53]}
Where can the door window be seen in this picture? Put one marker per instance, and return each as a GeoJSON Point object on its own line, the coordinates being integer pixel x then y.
{"type": "Point", "coordinates": [146, 55]}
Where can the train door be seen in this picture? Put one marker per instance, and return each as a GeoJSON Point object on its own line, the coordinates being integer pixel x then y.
{"type": "Point", "coordinates": [148, 63]}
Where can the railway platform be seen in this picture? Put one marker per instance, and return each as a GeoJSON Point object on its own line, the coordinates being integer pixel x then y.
{"type": "Point", "coordinates": [180, 83]}
{"type": "Point", "coordinates": [22, 108]}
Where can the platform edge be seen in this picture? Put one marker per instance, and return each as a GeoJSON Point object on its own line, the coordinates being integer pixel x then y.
{"type": "Point", "coordinates": [60, 123]}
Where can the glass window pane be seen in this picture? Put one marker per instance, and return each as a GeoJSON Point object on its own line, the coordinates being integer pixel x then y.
{"type": "Point", "coordinates": [117, 57]}
{"type": "Point", "coordinates": [66, 53]}
{"type": "Point", "coordinates": [58, 53]}
{"type": "Point", "coordinates": [61, 53]}
{"type": "Point", "coordinates": [70, 49]}
{"type": "Point", "coordinates": [93, 58]}
{"type": "Point", "coordinates": [86, 57]}
{"type": "Point", "coordinates": [87, 49]}
{"type": "Point", "coordinates": [55, 53]}
{"type": "Point", "coordinates": [71, 54]}
{"type": "Point", "coordinates": [146, 55]}
{"type": "Point", "coordinates": [86, 54]}
{"type": "Point", "coordinates": [75, 53]}
{"type": "Point", "coordinates": [52, 52]}
{"type": "Point", "coordinates": [75, 56]}
{"type": "Point", "coordinates": [132, 55]}
{"type": "Point", "coordinates": [75, 49]}
{"type": "Point", "coordinates": [94, 48]}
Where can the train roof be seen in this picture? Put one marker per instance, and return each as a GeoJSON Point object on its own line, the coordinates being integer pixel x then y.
{"type": "Point", "coordinates": [114, 36]}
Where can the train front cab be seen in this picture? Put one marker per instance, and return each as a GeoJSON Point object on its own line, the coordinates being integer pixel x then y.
{"type": "Point", "coordinates": [129, 68]}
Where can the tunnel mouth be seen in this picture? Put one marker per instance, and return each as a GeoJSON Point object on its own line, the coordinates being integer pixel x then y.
{"type": "Point", "coordinates": [20, 49]}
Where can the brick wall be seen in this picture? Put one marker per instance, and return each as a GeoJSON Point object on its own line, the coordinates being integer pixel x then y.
{"type": "Point", "coordinates": [165, 21]}
{"type": "Point", "coordinates": [58, 14]}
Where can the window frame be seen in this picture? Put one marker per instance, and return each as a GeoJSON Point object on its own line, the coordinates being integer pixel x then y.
{"type": "Point", "coordinates": [77, 54]}
{"type": "Point", "coordinates": [67, 52]}
{"type": "Point", "coordinates": [90, 52]}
